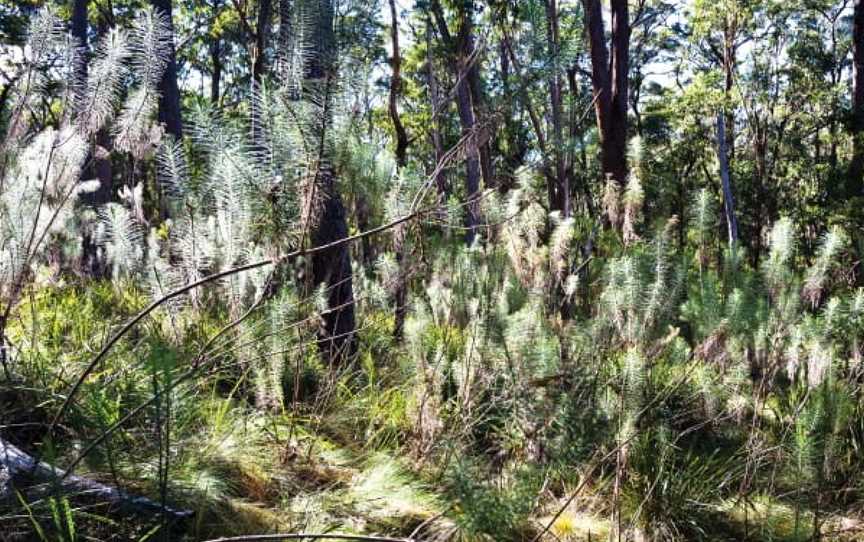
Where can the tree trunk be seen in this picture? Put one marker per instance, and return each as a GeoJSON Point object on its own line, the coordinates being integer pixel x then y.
{"type": "Point", "coordinates": [462, 48]}
{"type": "Point", "coordinates": [728, 200]}
{"type": "Point", "coordinates": [78, 28]}
{"type": "Point", "coordinates": [561, 191]}
{"type": "Point", "coordinates": [259, 64]}
{"type": "Point", "coordinates": [262, 39]}
{"type": "Point", "coordinates": [216, 76]}
{"type": "Point", "coordinates": [396, 89]}
{"type": "Point", "coordinates": [91, 264]}
{"type": "Point", "coordinates": [400, 297]}
{"type": "Point", "coordinates": [855, 182]}
{"type": "Point", "coordinates": [169, 93]}
{"type": "Point", "coordinates": [435, 130]}
{"type": "Point", "coordinates": [478, 102]}
{"type": "Point", "coordinates": [609, 82]}
{"type": "Point", "coordinates": [331, 268]}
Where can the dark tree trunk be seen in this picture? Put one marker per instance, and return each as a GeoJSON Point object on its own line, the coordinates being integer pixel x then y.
{"type": "Point", "coordinates": [609, 82]}
{"type": "Point", "coordinates": [100, 163]}
{"type": "Point", "coordinates": [435, 130]}
{"type": "Point", "coordinates": [259, 63]}
{"type": "Point", "coordinates": [855, 183]}
{"type": "Point", "coordinates": [262, 39]}
{"type": "Point", "coordinates": [401, 288]}
{"type": "Point", "coordinates": [396, 89]}
{"type": "Point", "coordinates": [169, 100]}
{"type": "Point", "coordinates": [478, 103]}
{"type": "Point", "coordinates": [331, 268]}
{"type": "Point", "coordinates": [561, 190]}
{"type": "Point", "coordinates": [78, 27]}
{"type": "Point", "coordinates": [216, 76]}
{"type": "Point", "coordinates": [462, 47]}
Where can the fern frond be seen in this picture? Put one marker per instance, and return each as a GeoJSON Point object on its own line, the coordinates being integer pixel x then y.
{"type": "Point", "coordinates": [172, 171]}
{"type": "Point", "coordinates": [634, 197]}
{"type": "Point", "coordinates": [134, 131]}
{"type": "Point", "coordinates": [105, 77]}
{"type": "Point", "coordinates": [122, 238]}
{"type": "Point", "coordinates": [782, 241]}
{"type": "Point", "coordinates": [833, 243]}
{"type": "Point", "coordinates": [560, 246]}
{"type": "Point", "coordinates": [150, 45]}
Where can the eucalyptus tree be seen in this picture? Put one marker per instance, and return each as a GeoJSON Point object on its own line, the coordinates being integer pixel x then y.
{"type": "Point", "coordinates": [610, 81]}
{"type": "Point", "coordinates": [461, 47]}
{"type": "Point", "coordinates": [324, 208]}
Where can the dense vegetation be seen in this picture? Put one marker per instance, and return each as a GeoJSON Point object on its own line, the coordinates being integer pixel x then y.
{"type": "Point", "coordinates": [432, 270]}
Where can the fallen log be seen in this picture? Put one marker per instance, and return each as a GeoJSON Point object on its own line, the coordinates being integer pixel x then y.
{"type": "Point", "coordinates": [15, 464]}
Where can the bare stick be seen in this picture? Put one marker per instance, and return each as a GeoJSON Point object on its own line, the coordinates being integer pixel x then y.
{"type": "Point", "coordinates": [300, 536]}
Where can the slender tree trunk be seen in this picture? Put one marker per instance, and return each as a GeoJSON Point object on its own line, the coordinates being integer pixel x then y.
{"type": "Point", "coordinates": [78, 27]}
{"type": "Point", "coordinates": [620, 85]}
{"type": "Point", "coordinates": [465, 49]}
{"type": "Point", "coordinates": [609, 82]}
{"type": "Point", "coordinates": [728, 200]}
{"type": "Point", "coordinates": [764, 207]}
{"type": "Point", "coordinates": [169, 99]}
{"type": "Point", "coordinates": [262, 40]}
{"type": "Point", "coordinates": [855, 183]}
{"type": "Point", "coordinates": [331, 268]}
{"type": "Point", "coordinates": [259, 63]}
{"type": "Point", "coordinates": [435, 130]}
{"type": "Point", "coordinates": [91, 264]}
{"type": "Point", "coordinates": [462, 47]}
{"type": "Point", "coordinates": [478, 103]}
{"type": "Point", "coordinates": [561, 191]}
{"type": "Point", "coordinates": [729, 63]}
{"type": "Point", "coordinates": [399, 233]}
{"type": "Point", "coordinates": [396, 89]}
{"type": "Point", "coordinates": [216, 77]}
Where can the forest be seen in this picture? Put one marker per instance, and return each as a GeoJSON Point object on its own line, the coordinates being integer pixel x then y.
{"type": "Point", "coordinates": [431, 270]}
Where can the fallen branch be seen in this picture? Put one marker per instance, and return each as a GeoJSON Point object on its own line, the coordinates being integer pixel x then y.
{"type": "Point", "coordinates": [301, 536]}
{"type": "Point", "coordinates": [15, 463]}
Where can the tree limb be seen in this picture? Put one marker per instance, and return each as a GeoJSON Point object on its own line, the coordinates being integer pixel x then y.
{"type": "Point", "coordinates": [17, 463]}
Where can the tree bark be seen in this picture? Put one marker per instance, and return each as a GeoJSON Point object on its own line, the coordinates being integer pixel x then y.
{"type": "Point", "coordinates": [91, 264]}
{"type": "Point", "coordinates": [561, 191]}
{"type": "Point", "coordinates": [262, 38]}
{"type": "Point", "coordinates": [15, 464]}
{"type": "Point", "coordinates": [169, 93]}
{"type": "Point", "coordinates": [78, 27]}
{"type": "Point", "coordinates": [216, 65]}
{"type": "Point", "coordinates": [331, 268]}
{"type": "Point", "coordinates": [259, 63]}
{"type": "Point", "coordinates": [855, 182]}
{"type": "Point", "coordinates": [435, 130]}
{"type": "Point", "coordinates": [462, 47]}
{"type": "Point", "coordinates": [609, 83]}
{"type": "Point", "coordinates": [728, 199]}
{"type": "Point", "coordinates": [478, 101]}
{"type": "Point", "coordinates": [216, 74]}
{"type": "Point", "coordinates": [400, 296]}
{"type": "Point", "coordinates": [396, 89]}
